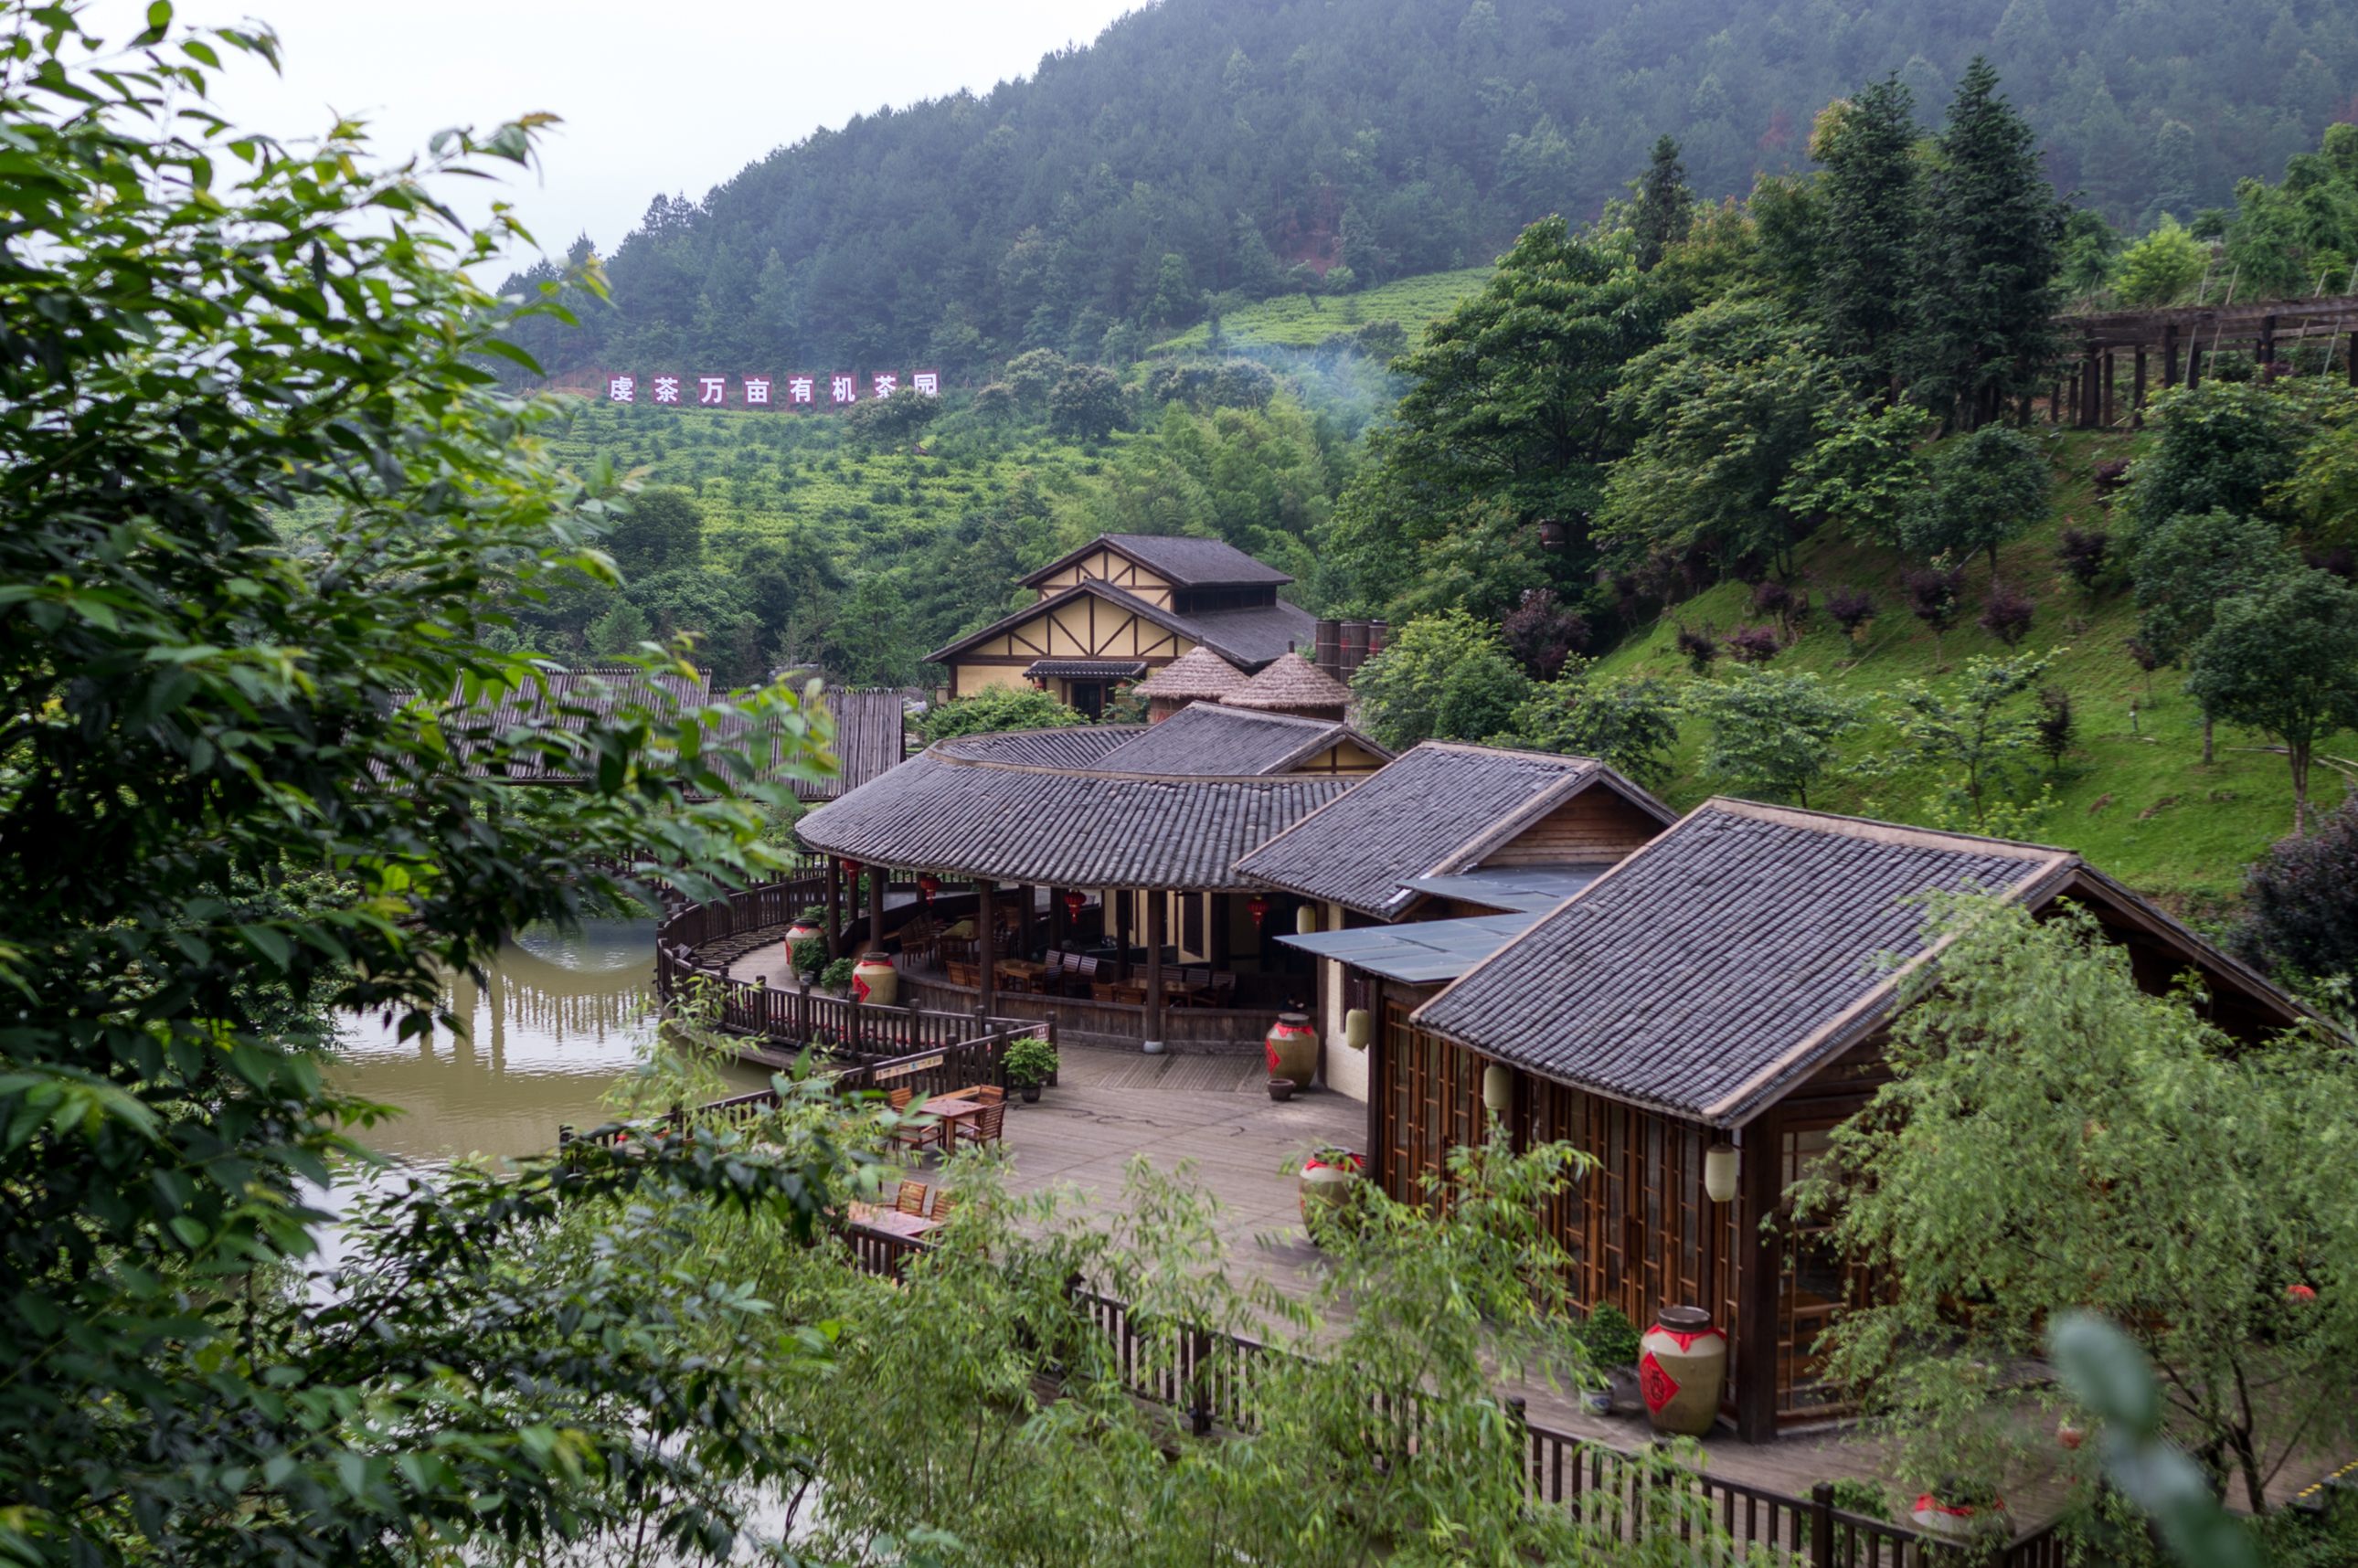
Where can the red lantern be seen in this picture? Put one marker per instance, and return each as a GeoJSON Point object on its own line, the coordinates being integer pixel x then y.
{"type": "Point", "coordinates": [2301, 1294]}
{"type": "Point", "coordinates": [1256, 906]}
{"type": "Point", "coordinates": [1075, 902]}
{"type": "Point", "coordinates": [928, 885]}
{"type": "Point", "coordinates": [851, 867]}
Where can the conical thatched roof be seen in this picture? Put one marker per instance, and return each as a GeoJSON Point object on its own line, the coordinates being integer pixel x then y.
{"type": "Point", "coordinates": [1291, 684]}
{"type": "Point", "coordinates": [1198, 673]}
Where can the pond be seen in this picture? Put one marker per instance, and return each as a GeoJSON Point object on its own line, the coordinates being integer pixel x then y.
{"type": "Point", "coordinates": [560, 1017]}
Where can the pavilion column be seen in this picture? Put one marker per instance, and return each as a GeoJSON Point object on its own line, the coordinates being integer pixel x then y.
{"type": "Point", "coordinates": [2137, 391]}
{"type": "Point", "coordinates": [2169, 357]}
{"type": "Point", "coordinates": [1155, 902]}
{"type": "Point", "coordinates": [1024, 895]}
{"type": "Point", "coordinates": [1759, 1264]}
{"type": "Point", "coordinates": [2264, 353]}
{"type": "Point", "coordinates": [876, 909]}
{"type": "Point", "coordinates": [2193, 364]}
{"type": "Point", "coordinates": [834, 908]}
{"type": "Point", "coordinates": [1117, 907]}
{"type": "Point", "coordinates": [986, 919]}
{"type": "Point", "coordinates": [2110, 359]}
{"type": "Point", "coordinates": [1058, 926]}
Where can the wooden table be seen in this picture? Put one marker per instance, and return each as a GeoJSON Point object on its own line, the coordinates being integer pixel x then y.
{"type": "Point", "coordinates": [892, 1222]}
{"type": "Point", "coordinates": [1023, 971]}
{"type": "Point", "coordinates": [953, 1109]}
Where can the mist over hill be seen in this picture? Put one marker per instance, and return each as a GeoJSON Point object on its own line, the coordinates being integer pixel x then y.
{"type": "Point", "coordinates": [1216, 146]}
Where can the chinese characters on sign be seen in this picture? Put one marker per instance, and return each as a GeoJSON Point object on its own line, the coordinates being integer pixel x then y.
{"type": "Point", "coordinates": [754, 391]}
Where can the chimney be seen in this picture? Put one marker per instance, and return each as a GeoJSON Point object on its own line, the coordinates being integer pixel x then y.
{"type": "Point", "coordinates": [1330, 648]}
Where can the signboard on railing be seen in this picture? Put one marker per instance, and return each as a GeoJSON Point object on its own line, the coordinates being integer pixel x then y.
{"type": "Point", "coordinates": [903, 1069]}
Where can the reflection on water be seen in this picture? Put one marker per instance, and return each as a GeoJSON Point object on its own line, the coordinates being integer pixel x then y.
{"type": "Point", "coordinates": [559, 1019]}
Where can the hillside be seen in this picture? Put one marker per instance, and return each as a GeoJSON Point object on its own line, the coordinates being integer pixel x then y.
{"type": "Point", "coordinates": [2134, 795]}
{"type": "Point", "coordinates": [1305, 321]}
{"type": "Point", "coordinates": [1240, 148]}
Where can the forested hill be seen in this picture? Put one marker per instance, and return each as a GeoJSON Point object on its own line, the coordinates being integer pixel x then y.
{"type": "Point", "coordinates": [1211, 146]}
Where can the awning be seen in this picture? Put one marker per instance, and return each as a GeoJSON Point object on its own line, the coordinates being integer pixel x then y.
{"type": "Point", "coordinates": [1420, 952]}
{"type": "Point", "coordinates": [1534, 888]}
{"type": "Point", "coordinates": [1086, 669]}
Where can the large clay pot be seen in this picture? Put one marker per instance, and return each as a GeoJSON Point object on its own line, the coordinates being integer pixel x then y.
{"type": "Point", "coordinates": [1681, 1364]}
{"type": "Point", "coordinates": [1326, 1183]}
{"type": "Point", "coordinates": [805, 931]}
{"type": "Point", "coordinates": [1292, 1047]}
{"type": "Point", "coordinates": [874, 980]}
{"type": "Point", "coordinates": [1955, 1510]}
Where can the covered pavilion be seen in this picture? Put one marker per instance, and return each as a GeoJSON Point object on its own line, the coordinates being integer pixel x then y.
{"type": "Point", "coordinates": [1120, 844]}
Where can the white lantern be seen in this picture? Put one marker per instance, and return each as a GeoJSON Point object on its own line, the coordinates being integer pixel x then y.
{"type": "Point", "coordinates": [1497, 1090]}
{"type": "Point", "coordinates": [1719, 1173]}
{"type": "Point", "coordinates": [1305, 919]}
{"type": "Point", "coordinates": [1358, 1029]}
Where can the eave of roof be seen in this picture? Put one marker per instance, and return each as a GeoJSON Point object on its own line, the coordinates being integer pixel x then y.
{"type": "Point", "coordinates": [1120, 599]}
{"type": "Point", "coordinates": [1258, 575]}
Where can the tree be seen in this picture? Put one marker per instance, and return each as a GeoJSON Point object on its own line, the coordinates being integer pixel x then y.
{"type": "Point", "coordinates": [1506, 423]}
{"type": "Point", "coordinates": [1032, 375]}
{"type": "Point", "coordinates": [1984, 290]}
{"type": "Point", "coordinates": [253, 782]}
{"type": "Point", "coordinates": [2301, 902]}
{"type": "Point", "coordinates": [1665, 206]}
{"type": "Point", "coordinates": [1975, 742]}
{"type": "Point", "coordinates": [2226, 445]}
{"type": "Point", "coordinates": [870, 645]}
{"type": "Point", "coordinates": [1774, 735]}
{"type": "Point", "coordinates": [1870, 208]}
{"type": "Point", "coordinates": [1981, 491]}
{"type": "Point", "coordinates": [998, 707]}
{"type": "Point", "coordinates": [656, 531]}
{"type": "Point", "coordinates": [1629, 721]}
{"type": "Point", "coordinates": [895, 421]}
{"type": "Point", "coordinates": [2283, 659]}
{"type": "Point", "coordinates": [2186, 568]}
{"type": "Point", "coordinates": [2161, 268]}
{"type": "Point", "coordinates": [1543, 632]}
{"type": "Point", "coordinates": [1088, 402]}
{"type": "Point", "coordinates": [1863, 473]}
{"type": "Point", "coordinates": [1936, 598]}
{"type": "Point", "coordinates": [2035, 1154]}
{"type": "Point", "coordinates": [1444, 677]}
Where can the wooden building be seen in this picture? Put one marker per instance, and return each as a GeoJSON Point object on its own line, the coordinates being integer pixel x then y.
{"type": "Point", "coordinates": [2115, 359]}
{"type": "Point", "coordinates": [1727, 983]}
{"type": "Point", "coordinates": [1124, 605]}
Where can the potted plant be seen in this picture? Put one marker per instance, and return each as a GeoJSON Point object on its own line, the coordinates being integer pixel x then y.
{"type": "Point", "coordinates": [838, 977]}
{"type": "Point", "coordinates": [1030, 1063]}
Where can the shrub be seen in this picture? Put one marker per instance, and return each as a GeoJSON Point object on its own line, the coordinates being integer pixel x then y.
{"type": "Point", "coordinates": [1933, 597]}
{"type": "Point", "coordinates": [1543, 632]}
{"type": "Point", "coordinates": [2082, 556]}
{"type": "Point", "coordinates": [838, 975]}
{"type": "Point", "coordinates": [1444, 677]}
{"type": "Point", "coordinates": [1700, 648]}
{"type": "Point", "coordinates": [1030, 1061]}
{"type": "Point", "coordinates": [1754, 644]}
{"type": "Point", "coordinates": [2055, 726]}
{"type": "Point", "coordinates": [808, 955]}
{"type": "Point", "coordinates": [1851, 608]}
{"type": "Point", "coordinates": [2007, 616]}
{"type": "Point", "coordinates": [1772, 597]}
{"type": "Point", "coordinates": [998, 707]}
{"type": "Point", "coordinates": [1611, 1338]}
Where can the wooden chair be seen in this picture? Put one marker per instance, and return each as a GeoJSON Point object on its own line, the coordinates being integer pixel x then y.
{"type": "Point", "coordinates": [1052, 981]}
{"type": "Point", "coordinates": [983, 1129]}
{"type": "Point", "coordinates": [912, 1198]}
{"type": "Point", "coordinates": [1224, 989]}
{"type": "Point", "coordinates": [911, 1137]}
{"type": "Point", "coordinates": [962, 974]}
{"type": "Point", "coordinates": [986, 1093]}
{"type": "Point", "coordinates": [944, 1203]}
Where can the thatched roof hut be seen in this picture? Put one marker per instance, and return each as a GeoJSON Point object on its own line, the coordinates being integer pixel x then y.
{"type": "Point", "coordinates": [1291, 684]}
{"type": "Point", "coordinates": [1198, 674]}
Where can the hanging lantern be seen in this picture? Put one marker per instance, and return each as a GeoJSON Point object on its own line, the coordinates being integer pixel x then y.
{"type": "Point", "coordinates": [851, 867]}
{"type": "Point", "coordinates": [1719, 1173]}
{"type": "Point", "coordinates": [1256, 906]}
{"type": "Point", "coordinates": [1497, 1090]}
{"type": "Point", "coordinates": [1305, 919]}
{"type": "Point", "coordinates": [1358, 1029]}
{"type": "Point", "coordinates": [1550, 535]}
{"type": "Point", "coordinates": [1075, 902]}
{"type": "Point", "coordinates": [928, 885]}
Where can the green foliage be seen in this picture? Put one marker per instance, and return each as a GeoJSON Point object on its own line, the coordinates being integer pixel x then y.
{"type": "Point", "coordinates": [1978, 741]}
{"type": "Point", "coordinates": [998, 707]}
{"type": "Point", "coordinates": [807, 956]}
{"type": "Point", "coordinates": [2047, 1120]}
{"type": "Point", "coordinates": [1664, 208]}
{"type": "Point", "coordinates": [1628, 721]}
{"type": "Point", "coordinates": [659, 529]}
{"type": "Point", "coordinates": [1030, 1062]}
{"type": "Point", "coordinates": [1869, 207]}
{"type": "Point", "coordinates": [2224, 446]}
{"type": "Point", "coordinates": [2162, 268]}
{"type": "Point", "coordinates": [1444, 677]}
{"type": "Point", "coordinates": [836, 976]}
{"type": "Point", "coordinates": [1981, 491]}
{"type": "Point", "coordinates": [1864, 473]}
{"type": "Point", "coordinates": [2186, 567]}
{"type": "Point", "coordinates": [1774, 734]}
{"type": "Point", "coordinates": [2301, 916]}
{"type": "Point", "coordinates": [263, 508]}
{"type": "Point", "coordinates": [1088, 402]}
{"type": "Point", "coordinates": [1611, 1339]}
{"type": "Point", "coordinates": [1986, 262]}
{"type": "Point", "coordinates": [2283, 659]}
{"type": "Point", "coordinates": [898, 420]}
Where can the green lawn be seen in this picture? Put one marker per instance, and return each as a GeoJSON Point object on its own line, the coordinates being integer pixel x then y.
{"type": "Point", "coordinates": [1304, 322]}
{"type": "Point", "coordinates": [2135, 798]}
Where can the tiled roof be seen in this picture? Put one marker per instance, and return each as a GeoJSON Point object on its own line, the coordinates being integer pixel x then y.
{"type": "Point", "coordinates": [1291, 681]}
{"type": "Point", "coordinates": [1198, 672]}
{"type": "Point", "coordinates": [1245, 638]}
{"type": "Point", "coordinates": [1231, 742]}
{"type": "Point", "coordinates": [1434, 810]}
{"type": "Point", "coordinates": [871, 736]}
{"type": "Point", "coordinates": [1070, 746]}
{"type": "Point", "coordinates": [968, 809]}
{"type": "Point", "coordinates": [1086, 669]}
{"type": "Point", "coordinates": [1178, 560]}
{"type": "Point", "coordinates": [1730, 957]}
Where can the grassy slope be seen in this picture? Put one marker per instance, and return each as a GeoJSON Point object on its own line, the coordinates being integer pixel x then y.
{"type": "Point", "coordinates": [1298, 322]}
{"type": "Point", "coordinates": [2141, 807]}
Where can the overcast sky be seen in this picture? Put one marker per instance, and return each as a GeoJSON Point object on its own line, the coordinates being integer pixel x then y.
{"type": "Point", "coordinates": [667, 98]}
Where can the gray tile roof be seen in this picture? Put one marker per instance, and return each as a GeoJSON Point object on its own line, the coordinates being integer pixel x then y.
{"type": "Point", "coordinates": [1434, 811]}
{"type": "Point", "coordinates": [1086, 669]}
{"type": "Point", "coordinates": [1726, 960]}
{"type": "Point", "coordinates": [1071, 746]}
{"type": "Point", "coordinates": [1419, 952]}
{"type": "Point", "coordinates": [1179, 560]}
{"type": "Point", "coordinates": [1245, 638]}
{"type": "Point", "coordinates": [967, 807]}
{"type": "Point", "coordinates": [1207, 739]}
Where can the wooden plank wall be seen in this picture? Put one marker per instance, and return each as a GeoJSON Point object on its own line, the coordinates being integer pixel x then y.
{"type": "Point", "coordinates": [1595, 826]}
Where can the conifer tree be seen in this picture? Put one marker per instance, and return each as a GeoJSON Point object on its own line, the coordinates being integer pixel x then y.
{"type": "Point", "coordinates": [1665, 205]}
{"type": "Point", "coordinates": [1867, 236]}
{"type": "Point", "coordinates": [1986, 261]}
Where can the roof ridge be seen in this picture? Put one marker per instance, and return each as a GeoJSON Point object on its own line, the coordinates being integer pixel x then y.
{"type": "Point", "coordinates": [1809, 821]}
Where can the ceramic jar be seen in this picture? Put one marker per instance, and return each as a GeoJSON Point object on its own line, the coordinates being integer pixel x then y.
{"type": "Point", "coordinates": [1325, 1182]}
{"type": "Point", "coordinates": [1681, 1365]}
{"type": "Point", "coordinates": [875, 982]}
{"type": "Point", "coordinates": [1957, 1510]}
{"type": "Point", "coordinates": [1293, 1048]}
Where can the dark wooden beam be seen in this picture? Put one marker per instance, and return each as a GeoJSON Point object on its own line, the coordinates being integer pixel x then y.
{"type": "Point", "coordinates": [1759, 1262]}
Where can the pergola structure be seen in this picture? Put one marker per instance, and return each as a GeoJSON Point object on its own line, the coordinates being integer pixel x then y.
{"type": "Point", "coordinates": [2174, 346]}
{"type": "Point", "coordinates": [1135, 833]}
